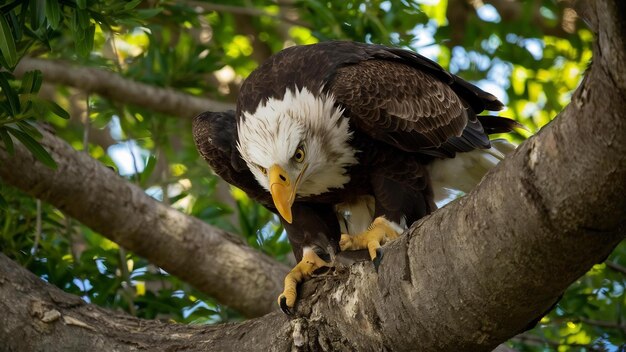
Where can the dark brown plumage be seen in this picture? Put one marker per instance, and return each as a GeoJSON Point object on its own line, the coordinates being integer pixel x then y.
{"type": "Point", "coordinates": [404, 110]}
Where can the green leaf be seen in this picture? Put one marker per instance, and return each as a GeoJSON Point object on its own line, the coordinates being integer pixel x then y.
{"type": "Point", "coordinates": [79, 21]}
{"type": "Point", "coordinates": [16, 25]}
{"type": "Point", "coordinates": [31, 81]}
{"type": "Point", "coordinates": [7, 43]}
{"type": "Point", "coordinates": [29, 129]}
{"type": "Point", "coordinates": [131, 4]}
{"type": "Point", "coordinates": [82, 4]}
{"type": "Point", "coordinates": [144, 14]}
{"type": "Point", "coordinates": [57, 110]}
{"type": "Point", "coordinates": [84, 46]}
{"type": "Point", "coordinates": [147, 171]}
{"type": "Point", "coordinates": [34, 147]}
{"type": "Point", "coordinates": [38, 15]}
{"type": "Point", "coordinates": [53, 13]}
{"type": "Point", "coordinates": [6, 139]}
{"type": "Point", "coordinates": [3, 203]}
{"type": "Point", "coordinates": [12, 97]}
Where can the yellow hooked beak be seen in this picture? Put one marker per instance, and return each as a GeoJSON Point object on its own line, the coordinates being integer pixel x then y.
{"type": "Point", "coordinates": [283, 190]}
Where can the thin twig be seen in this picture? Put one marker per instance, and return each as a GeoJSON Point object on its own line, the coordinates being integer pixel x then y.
{"type": "Point", "coordinates": [37, 228]}
{"type": "Point", "coordinates": [248, 11]}
{"type": "Point", "coordinates": [615, 266]}
{"type": "Point", "coordinates": [86, 126]}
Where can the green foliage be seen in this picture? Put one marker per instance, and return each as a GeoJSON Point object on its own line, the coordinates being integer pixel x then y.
{"type": "Point", "coordinates": [207, 48]}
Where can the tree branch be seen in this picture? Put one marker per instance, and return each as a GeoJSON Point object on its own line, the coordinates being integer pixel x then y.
{"type": "Point", "coordinates": [615, 267]}
{"type": "Point", "coordinates": [246, 11]}
{"type": "Point", "coordinates": [117, 88]}
{"type": "Point", "coordinates": [223, 266]}
{"type": "Point", "coordinates": [468, 277]}
{"type": "Point", "coordinates": [40, 317]}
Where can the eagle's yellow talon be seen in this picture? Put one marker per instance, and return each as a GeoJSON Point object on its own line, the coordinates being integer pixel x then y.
{"type": "Point", "coordinates": [345, 243]}
{"type": "Point", "coordinates": [302, 271]}
{"type": "Point", "coordinates": [380, 231]}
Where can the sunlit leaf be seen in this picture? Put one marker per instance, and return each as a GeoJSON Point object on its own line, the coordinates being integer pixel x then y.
{"type": "Point", "coordinates": [56, 109]}
{"type": "Point", "coordinates": [53, 13]}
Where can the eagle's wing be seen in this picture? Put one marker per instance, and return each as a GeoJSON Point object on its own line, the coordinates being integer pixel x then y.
{"type": "Point", "coordinates": [413, 104]}
{"type": "Point", "coordinates": [215, 135]}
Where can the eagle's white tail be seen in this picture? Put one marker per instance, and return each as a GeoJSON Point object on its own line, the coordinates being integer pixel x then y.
{"type": "Point", "coordinates": [452, 178]}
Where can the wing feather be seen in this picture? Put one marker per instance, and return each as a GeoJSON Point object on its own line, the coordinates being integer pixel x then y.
{"type": "Point", "coordinates": [215, 135]}
{"type": "Point", "coordinates": [399, 104]}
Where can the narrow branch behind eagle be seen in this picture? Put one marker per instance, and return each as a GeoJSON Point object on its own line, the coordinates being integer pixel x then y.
{"type": "Point", "coordinates": [349, 138]}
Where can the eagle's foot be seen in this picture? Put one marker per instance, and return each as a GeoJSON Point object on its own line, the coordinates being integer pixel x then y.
{"type": "Point", "coordinates": [380, 231]}
{"type": "Point", "coordinates": [310, 265]}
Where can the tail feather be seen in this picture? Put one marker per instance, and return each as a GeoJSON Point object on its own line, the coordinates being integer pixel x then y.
{"type": "Point", "coordinates": [497, 124]}
{"type": "Point", "coordinates": [462, 173]}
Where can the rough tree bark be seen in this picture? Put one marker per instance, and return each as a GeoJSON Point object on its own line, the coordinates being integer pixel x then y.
{"type": "Point", "coordinates": [467, 278]}
{"type": "Point", "coordinates": [120, 89]}
{"type": "Point", "coordinates": [223, 265]}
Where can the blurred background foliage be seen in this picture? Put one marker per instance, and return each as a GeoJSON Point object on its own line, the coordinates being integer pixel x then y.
{"type": "Point", "coordinates": [531, 54]}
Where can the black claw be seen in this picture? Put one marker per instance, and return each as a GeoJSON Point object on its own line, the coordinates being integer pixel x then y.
{"type": "Point", "coordinates": [284, 307]}
{"type": "Point", "coordinates": [379, 257]}
{"type": "Point", "coordinates": [322, 270]}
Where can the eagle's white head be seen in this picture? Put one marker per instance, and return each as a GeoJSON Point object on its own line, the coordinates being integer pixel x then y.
{"type": "Point", "coordinates": [296, 146]}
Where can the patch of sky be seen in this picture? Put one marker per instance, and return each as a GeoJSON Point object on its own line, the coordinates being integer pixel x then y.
{"type": "Point", "coordinates": [491, 44]}
{"type": "Point", "coordinates": [394, 37]}
{"type": "Point", "coordinates": [465, 60]}
{"type": "Point", "coordinates": [424, 41]}
{"type": "Point", "coordinates": [530, 108]}
{"type": "Point", "coordinates": [451, 194]}
{"type": "Point", "coordinates": [460, 60]}
{"type": "Point", "coordinates": [84, 285]}
{"type": "Point", "coordinates": [534, 46]}
{"type": "Point", "coordinates": [187, 311]}
{"type": "Point", "coordinates": [129, 157]}
{"type": "Point", "coordinates": [102, 268]}
{"type": "Point", "coordinates": [155, 192]}
{"type": "Point", "coordinates": [500, 73]}
{"type": "Point", "coordinates": [268, 231]}
{"type": "Point", "coordinates": [547, 13]}
{"type": "Point", "coordinates": [488, 13]}
{"type": "Point", "coordinates": [178, 294]}
{"type": "Point", "coordinates": [385, 6]}
{"type": "Point", "coordinates": [427, 2]}
{"type": "Point", "coordinates": [362, 8]}
{"type": "Point", "coordinates": [115, 128]}
{"type": "Point", "coordinates": [494, 88]}
{"type": "Point", "coordinates": [138, 272]}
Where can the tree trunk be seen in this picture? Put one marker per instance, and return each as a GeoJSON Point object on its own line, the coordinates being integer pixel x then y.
{"type": "Point", "coordinates": [466, 278]}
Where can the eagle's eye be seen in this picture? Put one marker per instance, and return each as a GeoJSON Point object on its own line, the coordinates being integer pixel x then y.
{"type": "Point", "coordinates": [298, 156]}
{"type": "Point", "coordinates": [262, 169]}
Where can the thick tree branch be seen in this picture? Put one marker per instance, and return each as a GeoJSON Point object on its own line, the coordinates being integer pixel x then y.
{"type": "Point", "coordinates": [468, 277]}
{"type": "Point", "coordinates": [117, 88]}
{"type": "Point", "coordinates": [212, 260]}
{"type": "Point", "coordinates": [246, 11]}
{"type": "Point", "coordinates": [40, 317]}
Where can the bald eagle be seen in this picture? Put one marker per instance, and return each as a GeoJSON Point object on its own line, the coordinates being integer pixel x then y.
{"type": "Point", "coordinates": [344, 141]}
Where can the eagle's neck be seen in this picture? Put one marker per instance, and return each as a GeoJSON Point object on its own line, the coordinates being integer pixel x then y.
{"type": "Point", "coordinates": [277, 127]}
